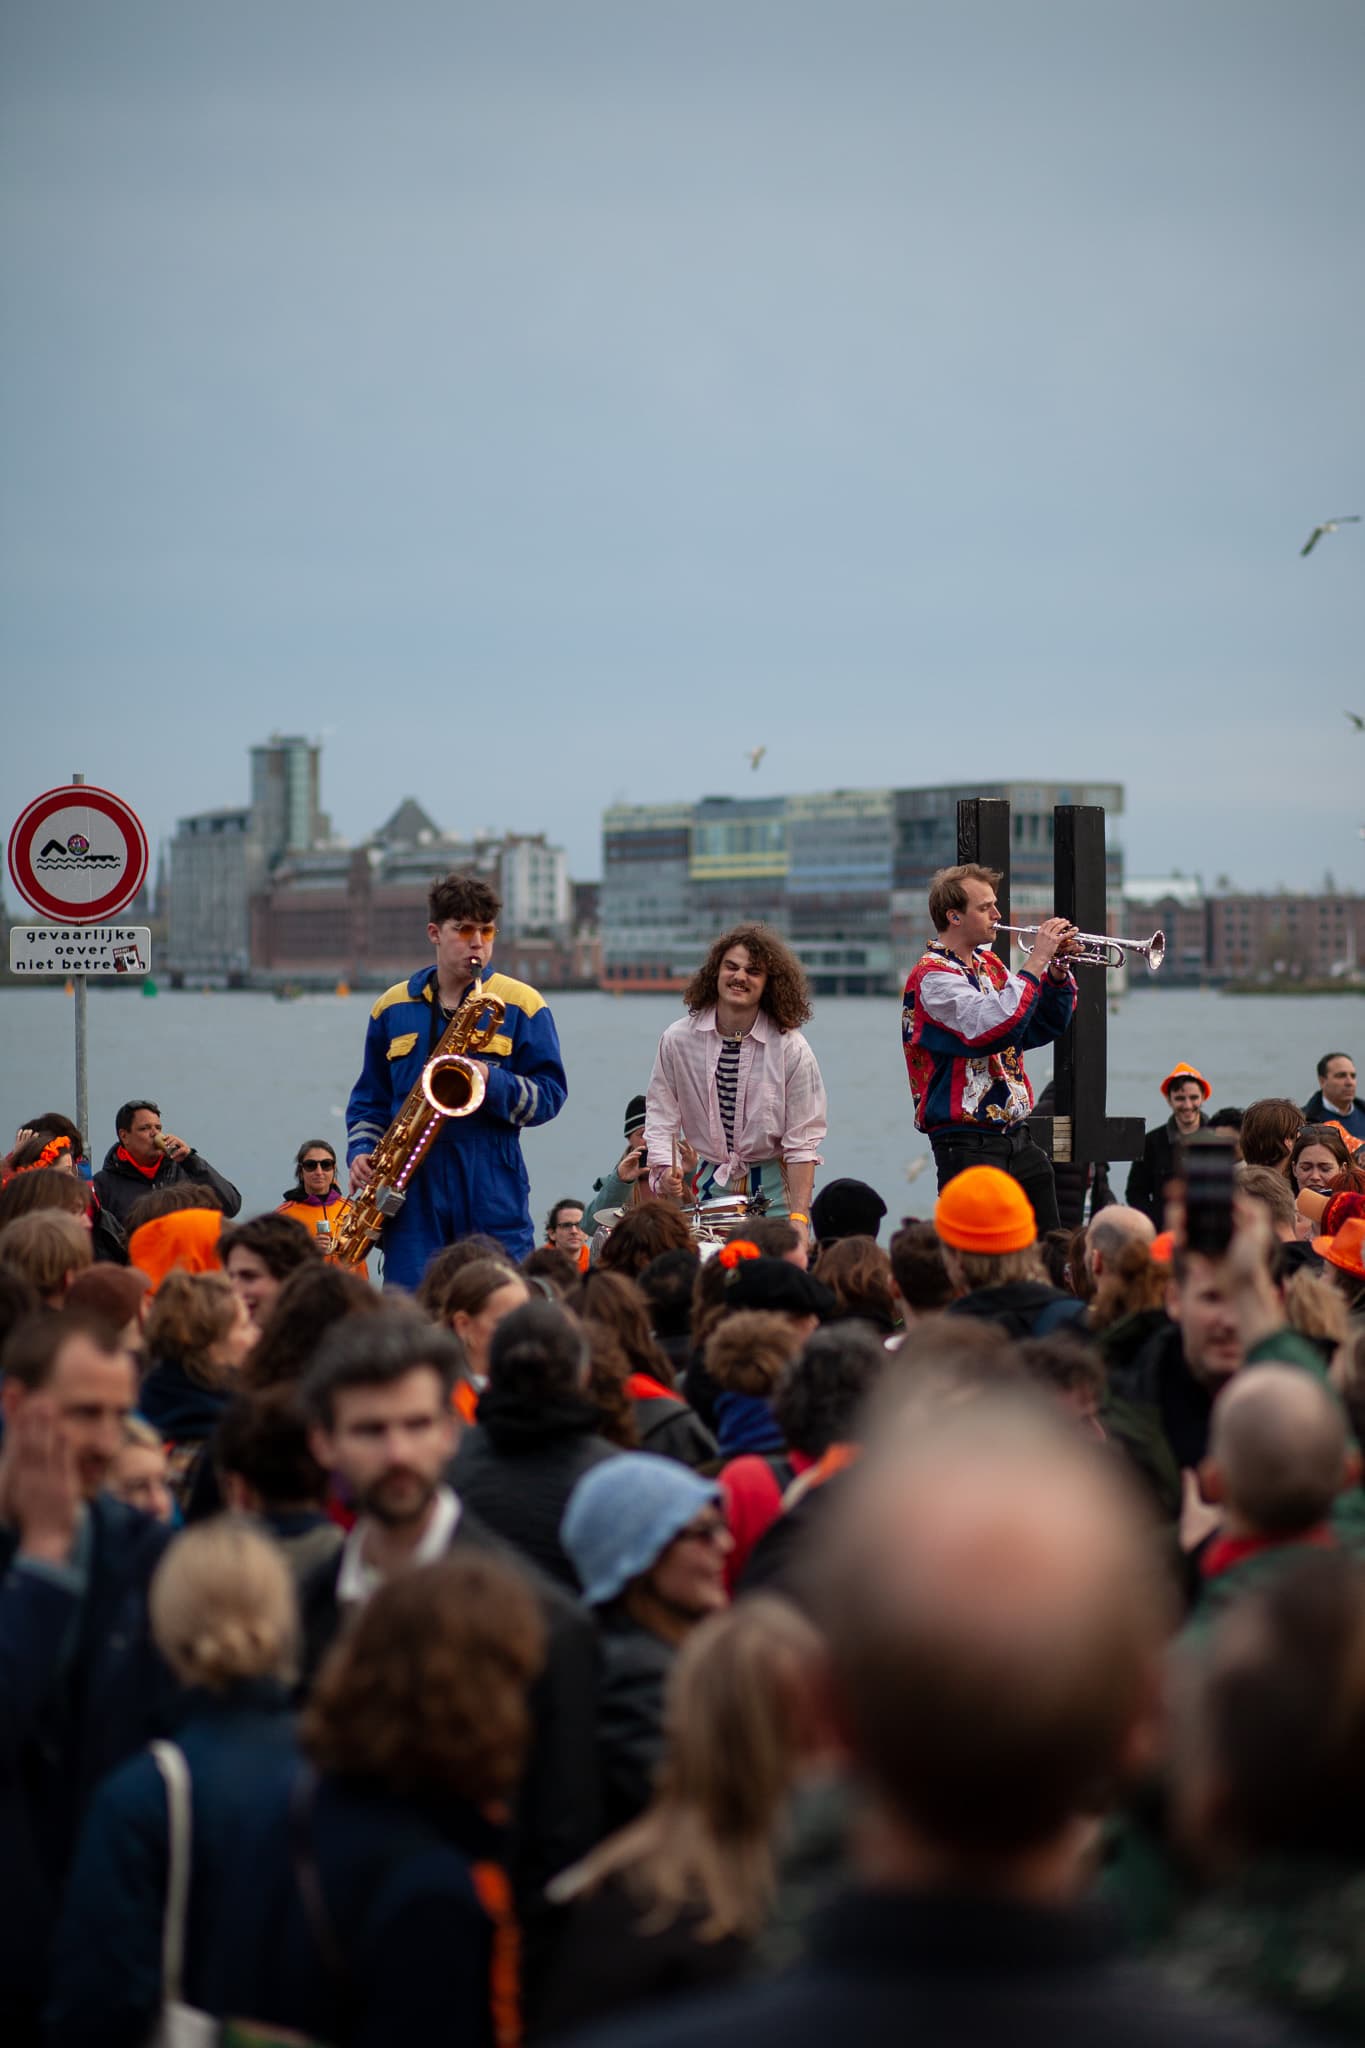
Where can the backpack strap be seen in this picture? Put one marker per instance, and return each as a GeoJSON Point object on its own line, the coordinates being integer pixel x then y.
{"type": "Point", "coordinates": [175, 1774]}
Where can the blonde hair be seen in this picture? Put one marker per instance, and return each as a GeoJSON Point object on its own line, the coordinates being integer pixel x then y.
{"type": "Point", "coordinates": [46, 1247]}
{"type": "Point", "coordinates": [994, 1269]}
{"type": "Point", "coordinates": [736, 1732]}
{"type": "Point", "coordinates": [140, 1436]}
{"type": "Point", "coordinates": [1317, 1309]}
{"type": "Point", "coordinates": [223, 1606]}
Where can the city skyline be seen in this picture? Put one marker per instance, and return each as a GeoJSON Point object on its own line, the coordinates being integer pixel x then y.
{"type": "Point", "coordinates": [546, 407]}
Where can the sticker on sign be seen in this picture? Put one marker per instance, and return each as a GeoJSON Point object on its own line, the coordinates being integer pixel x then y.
{"type": "Point", "coordinates": [78, 854]}
{"type": "Point", "coordinates": [80, 949]}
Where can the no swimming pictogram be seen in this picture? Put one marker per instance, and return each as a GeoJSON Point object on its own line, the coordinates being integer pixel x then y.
{"type": "Point", "coordinates": [78, 854]}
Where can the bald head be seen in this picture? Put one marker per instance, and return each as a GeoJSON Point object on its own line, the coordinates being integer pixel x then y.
{"type": "Point", "coordinates": [1110, 1231]}
{"type": "Point", "coordinates": [1278, 1449]}
{"type": "Point", "coordinates": [994, 1622]}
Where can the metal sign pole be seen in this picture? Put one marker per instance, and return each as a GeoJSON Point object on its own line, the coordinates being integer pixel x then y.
{"type": "Point", "coordinates": [82, 1063]}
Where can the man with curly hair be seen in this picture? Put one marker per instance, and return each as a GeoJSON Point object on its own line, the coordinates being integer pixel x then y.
{"type": "Point", "coordinates": [736, 1083]}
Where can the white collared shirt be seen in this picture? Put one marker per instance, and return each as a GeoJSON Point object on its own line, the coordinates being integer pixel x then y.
{"type": "Point", "coordinates": [357, 1579]}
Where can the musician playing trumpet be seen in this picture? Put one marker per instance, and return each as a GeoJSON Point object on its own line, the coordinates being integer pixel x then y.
{"type": "Point", "coordinates": [967, 1022]}
{"type": "Point", "coordinates": [736, 1082]}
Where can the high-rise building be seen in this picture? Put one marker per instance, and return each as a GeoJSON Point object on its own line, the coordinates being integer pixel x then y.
{"type": "Point", "coordinates": [285, 788]}
{"type": "Point", "coordinates": [842, 874]}
{"type": "Point", "coordinates": [216, 867]}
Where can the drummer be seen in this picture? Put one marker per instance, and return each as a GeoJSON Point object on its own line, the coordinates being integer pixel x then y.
{"type": "Point", "coordinates": [736, 1082]}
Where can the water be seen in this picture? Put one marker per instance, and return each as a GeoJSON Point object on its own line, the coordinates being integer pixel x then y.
{"type": "Point", "coordinates": [245, 1079]}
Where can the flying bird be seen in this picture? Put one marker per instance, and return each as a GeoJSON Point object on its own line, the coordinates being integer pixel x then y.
{"type": "Point", "coordinates": [1328, 526]}
{"type": "Point", "coordinates": [1357, 721]}
{"type": "Point", "coordinates": [755, 755]}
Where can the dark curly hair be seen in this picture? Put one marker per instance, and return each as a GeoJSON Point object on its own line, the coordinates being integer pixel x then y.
{"type": "Point", "coordinates": [280, 1243]}
{"type": "Point", "coordinates": [426, 1692]}
{"type": "Point", "coordinates": [460, 897]}
{"type": "Point", "coordinates": [785, 998]}
{"type": "Point", "coordinates": [316, 1295]}
{"type": "Point", "coordinates": [825, 1385]}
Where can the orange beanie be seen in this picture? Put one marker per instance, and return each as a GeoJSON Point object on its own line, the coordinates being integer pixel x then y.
{"type": "Point", "coordinates": [984, 1210]}
{"type": "Point", "coordinates": [1183, 1071]}
{"type": "Point", "coordinates": [187, 1239]}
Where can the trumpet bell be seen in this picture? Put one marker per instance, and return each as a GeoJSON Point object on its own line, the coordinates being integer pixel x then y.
{"type": "Point", "coordinates": [1155, 950]}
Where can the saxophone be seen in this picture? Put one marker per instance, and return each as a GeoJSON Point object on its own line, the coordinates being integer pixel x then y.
{"type": "Point", "coordinates": [449, 1085]}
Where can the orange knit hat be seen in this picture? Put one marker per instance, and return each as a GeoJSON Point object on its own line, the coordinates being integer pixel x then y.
{"type": "Point", "coordinates": [1183, 1071]}
{"type": "Point", "coordinates": [186, 1240]}
{"type": "Point", "coordinates": [983, 1210]}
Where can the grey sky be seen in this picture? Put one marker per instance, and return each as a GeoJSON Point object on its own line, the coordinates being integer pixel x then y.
{"type": "Point", "coordinates": [547, 402]}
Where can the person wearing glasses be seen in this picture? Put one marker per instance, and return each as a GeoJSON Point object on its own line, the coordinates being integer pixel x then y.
{"type": "Point", "coordinates": [473, 1178]}
{"type": "Point", "coordinates": [315, 1200]}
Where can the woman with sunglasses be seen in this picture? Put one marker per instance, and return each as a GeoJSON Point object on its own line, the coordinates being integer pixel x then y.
{"type": "Point", "coordinates": [315, 1200]}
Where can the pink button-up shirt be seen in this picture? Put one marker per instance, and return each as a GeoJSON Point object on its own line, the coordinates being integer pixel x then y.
{"type": "Point", "coordinates": [780, 1110]}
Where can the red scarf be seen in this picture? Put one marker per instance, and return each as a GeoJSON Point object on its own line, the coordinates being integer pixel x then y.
{"type": "Point", "coordinates": [147, 1172]}
{"type": "Point", "coordinates": [1226, 1551]}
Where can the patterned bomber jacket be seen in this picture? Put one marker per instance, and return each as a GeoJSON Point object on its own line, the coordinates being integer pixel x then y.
{"type": "Point", "coordinates": [965, 1031]}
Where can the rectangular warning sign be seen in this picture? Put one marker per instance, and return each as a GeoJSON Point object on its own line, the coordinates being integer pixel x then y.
{"type": "Point", "coordinates": [80, 949]}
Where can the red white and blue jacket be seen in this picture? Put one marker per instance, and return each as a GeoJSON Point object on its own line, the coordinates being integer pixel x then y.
{"type": "Point", "coordinates": [965, 1030]}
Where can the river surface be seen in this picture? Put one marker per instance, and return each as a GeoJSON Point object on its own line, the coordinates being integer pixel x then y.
{"type": "Point", "coordinates": [245, 1078]}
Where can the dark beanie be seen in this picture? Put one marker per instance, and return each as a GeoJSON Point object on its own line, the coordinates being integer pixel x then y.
{"type": "Point", "coordinates": [779, 1287]}
{"type": "Point", "coordinates": [846, 1208]}
{"type": "Point", "coordinates": [635, 1114]}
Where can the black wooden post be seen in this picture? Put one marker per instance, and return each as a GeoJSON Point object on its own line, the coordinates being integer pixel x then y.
{"type": "Point", "coordinates": [1080, 1130]}
{"type": "Point", "coordinates": [983, 835]}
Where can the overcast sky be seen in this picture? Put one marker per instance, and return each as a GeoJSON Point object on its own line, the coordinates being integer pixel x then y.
{"type": "Point", "coordinates": [544, 403]}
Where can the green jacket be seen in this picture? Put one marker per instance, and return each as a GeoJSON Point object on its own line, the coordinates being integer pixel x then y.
{"type": "Point", "coordinates": [1286, 1935]}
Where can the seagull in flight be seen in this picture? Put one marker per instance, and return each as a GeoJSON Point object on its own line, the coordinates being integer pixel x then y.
{"type": "Point", "coordinates": [755, 755]}
{"type": "Point", "coordinates": [1357, 721]}
{"type": "Point", "coordinates": [1328, 526]}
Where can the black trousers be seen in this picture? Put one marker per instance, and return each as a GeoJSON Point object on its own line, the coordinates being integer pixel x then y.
{"type": "Point", "coordinates": [1013, 1151]}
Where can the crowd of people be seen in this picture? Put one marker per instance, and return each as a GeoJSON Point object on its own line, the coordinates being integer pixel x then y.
{"type": "Point", "coordinates": [707, 1624]}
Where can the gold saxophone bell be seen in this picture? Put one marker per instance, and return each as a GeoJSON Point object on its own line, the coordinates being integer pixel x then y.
{"type": "Point", "coordinates": [451, 1085]}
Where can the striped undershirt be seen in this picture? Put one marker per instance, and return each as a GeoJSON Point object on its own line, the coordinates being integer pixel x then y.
{"type": "Point", "coordinates": [727, 1085]}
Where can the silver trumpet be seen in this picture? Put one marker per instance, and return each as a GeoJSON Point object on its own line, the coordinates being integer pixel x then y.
{"type": "Point", "coordinates": [1095, 949]}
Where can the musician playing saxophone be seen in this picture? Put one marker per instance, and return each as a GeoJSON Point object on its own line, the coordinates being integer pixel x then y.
{"type": "Point", "coordinates": [474, 1177]}
{"type": "Point", "coordinates": [965, 1024]}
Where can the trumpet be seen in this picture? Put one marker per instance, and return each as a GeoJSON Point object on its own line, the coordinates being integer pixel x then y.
{"type": "Point", "coordinates": [1096, 949]}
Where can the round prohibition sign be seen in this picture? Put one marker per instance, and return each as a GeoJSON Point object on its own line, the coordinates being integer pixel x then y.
{"type": "Point", "coordinates": [78, 854]}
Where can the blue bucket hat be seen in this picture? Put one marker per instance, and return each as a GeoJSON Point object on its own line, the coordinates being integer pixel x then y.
{"type": "Point", "coordinates": [623, 1514]}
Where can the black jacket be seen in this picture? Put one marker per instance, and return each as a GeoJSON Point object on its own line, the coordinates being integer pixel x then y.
{"type": "Point", "coordinates": [635, 1668]}
{"type": "Point", "coordinates": [121, 1187]}
{"type": "Point", "coordinates": [1026, 1308]}
{"type": "Point", "coordinates": [107, 1981]}
{"type": "Point", "coordinates": [666, 1426]}
{"type": "Point", "coordinates": [81, 1688]}
{"type": "Point", "coordinates": [611, 1955]}
{"type": "Point", "coordinates": [1149, 1173]}
{"type": "Point", "coordinates": [400, 1892]}
{"type": "Point", "coordinates": [886, 1969]}
{"type": "Point", "coordinates": [558, 1813]}
{"type": "Point", "coordinates": [517, 1467]}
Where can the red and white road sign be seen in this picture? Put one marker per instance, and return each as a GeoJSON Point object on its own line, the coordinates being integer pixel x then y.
{"type": "Point", "coordinates": [78, 854]}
